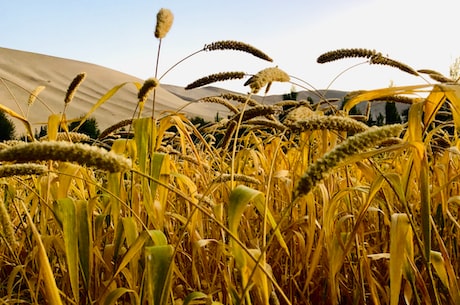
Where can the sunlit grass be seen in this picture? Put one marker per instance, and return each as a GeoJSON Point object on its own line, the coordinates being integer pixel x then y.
{"type": "Point", "coordinates": [276, 204]}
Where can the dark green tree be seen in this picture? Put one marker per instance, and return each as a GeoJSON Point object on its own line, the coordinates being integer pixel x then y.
{"type": "Point", "coordinates": [380, 120]}
{"type": "Point", "coordinates": [7, 128]}
{"type": "Point", "coordinates": [291, 96]}
{"type": "Point", "coordinates": [392, 115]}
{"type": "Point", "coordinates": [89, 127]}
{"type": "Point", "coordinates": [370, 120]}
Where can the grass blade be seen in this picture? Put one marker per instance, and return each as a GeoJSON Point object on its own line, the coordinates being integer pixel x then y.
{"type": "Point", "coordinates": [158, 265]}
{"type": "Point", "coordinates": [400, 237]}
{"type": "Point", "coordinates": [66, 211]}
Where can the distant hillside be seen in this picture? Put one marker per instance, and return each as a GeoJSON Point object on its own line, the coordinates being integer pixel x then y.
{"type": "Point", "coordinates": [21, 72]}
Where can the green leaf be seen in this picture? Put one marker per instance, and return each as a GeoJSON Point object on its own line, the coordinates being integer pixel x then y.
{"type": "Point", "coordinates": [196, 295]}
{"type": "Point", "coordinates": [66, 211]}
{"type": "Point", "coordinates": [85, 241]}
{"type": "Point", "coordinates": [158, 265]}
{"type": "Point", "coordinates": [115, 294]}
{"type": "Point", "coordinates": [400, 245]}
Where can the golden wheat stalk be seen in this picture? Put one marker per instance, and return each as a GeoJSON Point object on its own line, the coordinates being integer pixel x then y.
{"type": "Point", "coordinates": [381, 60]}
{"type": "Point", "coordinates": [76, 82]}
{"type": "Point", "coordinates": [238, 46]}
{"type": "Point", "coordinates": [82, 154]}
{"type": "Point", "coordinates": [9, 170]}
{"type": "Point", "coordinates": [321, 122]}
{"type": "Point", "coordinates": [350, 147]}
{"type": "Point", "coordinates": [212, 78]}
{"type": "Point", "coordinates": [165, 20]}
{"type": "Point", "coordinates": [243, 99]}
{"type": "Point", "coordinates": [346, 53]}
{"type": "Point", "coordinates": [265, 78]}
{"type": "Point", "coordinates": [221, 101]}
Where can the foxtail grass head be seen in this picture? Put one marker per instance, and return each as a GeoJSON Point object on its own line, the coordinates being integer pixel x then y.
{"type": "Point", "coordinates": [76, 82]}
{"type": "Point", "coordinates": [237, 46]}
{"type": "Point", "coordinates": [146, 88]}
{"type": "Point", "coordinates": [165, 20]}
{"type": "Point", "coordinates": [217, 77]}
{"type": "Point", "coordinates": [265, 78]}
{"type": "Point", "coordinates": [67, 152]}
{"type": "Point", "coordinates": [350, 147]}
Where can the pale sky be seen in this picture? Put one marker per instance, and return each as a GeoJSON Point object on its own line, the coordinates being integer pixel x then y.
{"type": "Point", "coordinates": [119, 35]}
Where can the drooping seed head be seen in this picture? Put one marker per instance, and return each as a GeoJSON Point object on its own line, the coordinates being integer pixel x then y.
{"type": "Point", "coordinates": [322, 122]}
{"type": "Point", "coordinates": [146, 88]}
{"type": "Point", "coordinates": [265, 78]}
{"type": "Point", "coordinates": [381, 60]}
{"type": "Point", "coordinates": [237, 46]}
{"type": "Point", "coordinates": [219, 100]}
{"type": "Point", "coordinates": [73, 137]}
{"type": "Point", "coordinates": [82, 154]}
{"type": "Point", "coordinates": [441, 78]}
{"type": "Point", "coordinates": [243, 99]}
{"type": "Point", "coordinates": [165, 20]}
{"type": "Point", "coordinates": [346, 53]}
{"type": "Point", "coordinates": [351, 146]}
{"type": "Point", "coordinates": [212, 78]}
{"type": "Point", "coordinates": [33, 95]}
{"type": "Point", "coordinates": [73, 87]}
{"type": "Point", "coordinates": [26, 169]}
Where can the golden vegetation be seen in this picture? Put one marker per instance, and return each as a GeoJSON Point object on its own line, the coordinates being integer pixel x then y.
{"type": "Point", "coordinates": [278, 204]}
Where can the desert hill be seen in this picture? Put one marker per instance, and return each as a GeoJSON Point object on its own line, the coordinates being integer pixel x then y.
{"type": "Point", "coordinates": [21, 72]}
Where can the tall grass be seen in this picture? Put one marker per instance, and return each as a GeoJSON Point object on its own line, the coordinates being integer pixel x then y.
{"type": "Point", "coordinates": [277, 204]}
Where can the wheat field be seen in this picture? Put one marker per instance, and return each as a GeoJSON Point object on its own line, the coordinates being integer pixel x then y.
{"type": "Point", "coordinates": [288, 203]}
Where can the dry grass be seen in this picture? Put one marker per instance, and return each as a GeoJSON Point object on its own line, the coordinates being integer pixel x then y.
{"type": "Point", "coordinates": [219, 214]}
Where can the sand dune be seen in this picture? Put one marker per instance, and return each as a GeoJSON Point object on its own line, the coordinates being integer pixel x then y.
{"type": "Point", "coordinates": [21, 72]}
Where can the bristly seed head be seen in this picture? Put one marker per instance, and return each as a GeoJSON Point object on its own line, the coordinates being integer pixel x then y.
{"type": "Point", "coordinates": [33, 95]}
{"type": "Point", "coordinates": [82, 154]}
{"type": "Point", "coordinates": [381, 60]}
{"type": "Point", "coordinates": [9, 170]}
{"type": "Point", "coordinates": [165, 20]}
{"type": "Point", "coordinates": [146, 88]}
{"type": "Point", "coordinates": [351, 146]}
{"type": "Point", "coordinates": [265, 78]}
{"type": "Point", "coordinates": [217, 77]}
{"type": "Point", "coordinates": [73, 87]}
{"type": "Point", "coordinates": [238, 46]}
{"type": "Point", "coordinates": [345, 53]}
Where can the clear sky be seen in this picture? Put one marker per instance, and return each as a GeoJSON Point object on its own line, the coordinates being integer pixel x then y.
{"type": "Point", "coordinates": [119, 35]}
